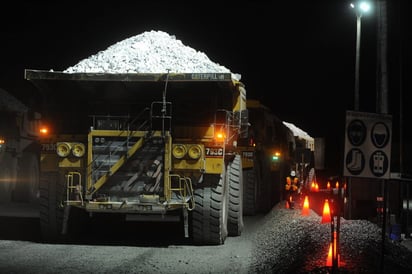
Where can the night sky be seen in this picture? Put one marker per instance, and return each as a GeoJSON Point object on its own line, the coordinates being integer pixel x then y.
{"type": "Point", "coordinates": [298, 57]}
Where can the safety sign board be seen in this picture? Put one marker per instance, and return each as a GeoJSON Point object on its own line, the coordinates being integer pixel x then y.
{"type": "Point", "coordinates": [367, 145]}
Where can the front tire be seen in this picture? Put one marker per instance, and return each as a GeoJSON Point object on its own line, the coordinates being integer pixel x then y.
{"type": "Point", "coordinates": [235, 180]}
{"type": "Point", "coordinates": [210, 215]}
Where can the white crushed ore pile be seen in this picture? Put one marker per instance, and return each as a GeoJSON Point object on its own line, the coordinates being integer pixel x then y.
{"type": "Point", "coordinates": [149, 52]}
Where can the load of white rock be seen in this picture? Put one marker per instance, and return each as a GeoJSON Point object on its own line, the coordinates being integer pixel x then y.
{"type": "Point", "coordinates": [150, 52]}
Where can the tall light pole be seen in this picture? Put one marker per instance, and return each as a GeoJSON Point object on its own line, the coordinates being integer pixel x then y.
{"type": "Point", "coordinates": [360, 8]}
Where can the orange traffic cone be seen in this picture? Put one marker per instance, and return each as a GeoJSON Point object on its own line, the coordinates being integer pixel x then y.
{"type": "Point", "coordinates": [291, 202]}
{"type": "Point", "coordinates": [305, 208]}
{"type": "Point", "coordinates": [329, 259]}
{"type": "Point", "coordinates": [312, 186]}
{"type": "Point", "coordinates": [287, 204]}
{"type": "Point", "coordinates": [326, 213]}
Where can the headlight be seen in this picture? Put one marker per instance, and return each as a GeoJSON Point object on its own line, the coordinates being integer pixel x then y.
{"type": "Point", "coordinates": [195, 152]}
{"type": "Point", "coordinates": [179, 151]}
{"type": "Point", "coordinates": [63, 149]}
{"type": "Point", "coordinates": [78, 149]}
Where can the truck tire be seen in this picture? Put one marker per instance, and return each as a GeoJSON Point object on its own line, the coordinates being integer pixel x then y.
{"type": "Point", "coordinates": [276, 180]}
{"type": "Point", "coordinates": [210, 215]}
{"type": "Point", "coordinates": [51, 209]}
{"type": "Point", "coordinates": [267, 189]}
{"type": "Point", "coordinates": [8, 174]}
{"type": "Point", "coordinates": [27, 188]}
{"type": "Point", "coordinates": [235, 179]}
{"type": "Point", "coordinates": [249, 192]}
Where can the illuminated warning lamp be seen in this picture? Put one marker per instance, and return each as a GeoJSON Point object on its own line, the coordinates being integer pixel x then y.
{"type": "Point", "coordinates": [43, 130]}
{"type": "Point", "coordinates": [220, 136]}
{"type": "Point", "coordinates": [276, 156]}
{"type": "Point", "coordinates": [2, 143]}
{"type": "Point", "coordinates": [328, 185]}
{"type": "Point", "coordinates": [337, 184]}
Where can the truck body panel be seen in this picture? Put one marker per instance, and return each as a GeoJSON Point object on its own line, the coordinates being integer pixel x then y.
{"type": "Point", "coordinates": [269, 152]}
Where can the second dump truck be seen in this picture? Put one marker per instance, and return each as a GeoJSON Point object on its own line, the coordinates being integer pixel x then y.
{"type": "Point", "coordinates": [142, 146]}
{"type": "Point", "coordinates": [19, 151]}
{"type": "Point", "coordinates": [267, 156]}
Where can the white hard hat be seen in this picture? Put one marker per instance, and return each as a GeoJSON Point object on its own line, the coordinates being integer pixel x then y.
{"type": "Point", "coordinates": [292, 173]}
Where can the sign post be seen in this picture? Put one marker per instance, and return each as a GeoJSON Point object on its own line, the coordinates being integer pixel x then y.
{"type": "Point", "coordinates": [368, 152]}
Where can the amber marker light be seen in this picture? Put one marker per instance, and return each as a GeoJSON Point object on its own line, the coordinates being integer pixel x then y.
{"type": "Point", "coordinates": [220, 136]}
{"type": "Point", "coordinates": [44, 131]}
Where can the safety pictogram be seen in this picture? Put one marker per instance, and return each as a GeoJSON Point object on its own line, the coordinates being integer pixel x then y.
{"type": "Point", "coordinates": [367, 145]}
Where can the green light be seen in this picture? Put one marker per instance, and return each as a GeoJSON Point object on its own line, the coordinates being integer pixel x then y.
{"type": "Point", "coordinates": [275, 158]}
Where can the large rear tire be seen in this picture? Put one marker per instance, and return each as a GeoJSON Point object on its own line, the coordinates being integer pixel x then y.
{"type": "Point", "coordinates": [210, 215]}
{"type": "Point", "coordinates": [51, 207]}
{"type": "Point", "coordinates": [249, 192]}
{"type": "Point", "coordinates": [265, 187]}
{"type": "Point", "coordinates": [8, 174]}
{"type": "Point", "coordinates": [235, 179]}
{"type": "Point", "coordinates": [27, 188]}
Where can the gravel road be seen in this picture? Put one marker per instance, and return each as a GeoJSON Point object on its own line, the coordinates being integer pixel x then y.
{"type": "Point", "coordinates": [282, 241]}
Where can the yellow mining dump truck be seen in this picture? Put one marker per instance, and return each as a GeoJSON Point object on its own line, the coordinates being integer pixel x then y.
{"type": "Point", "coordinates": [267, 155]}
{"type": "Point", "coordinates": [142, 146]}
{"type": "Point", "coordinates": [19, 151]}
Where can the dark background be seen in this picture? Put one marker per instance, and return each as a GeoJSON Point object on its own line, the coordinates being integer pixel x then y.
{"type": "Point", "coordinates": [298, 57]}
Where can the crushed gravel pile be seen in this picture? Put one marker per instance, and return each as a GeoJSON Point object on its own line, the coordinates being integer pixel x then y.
{"type": "Point", "coordinates": [150, 52]}
{"type": "Point", "coordinates": [291, 243]}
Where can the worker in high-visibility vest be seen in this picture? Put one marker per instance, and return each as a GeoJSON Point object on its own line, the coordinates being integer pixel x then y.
{"type": "Point", "coordinates": [291, 187]}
